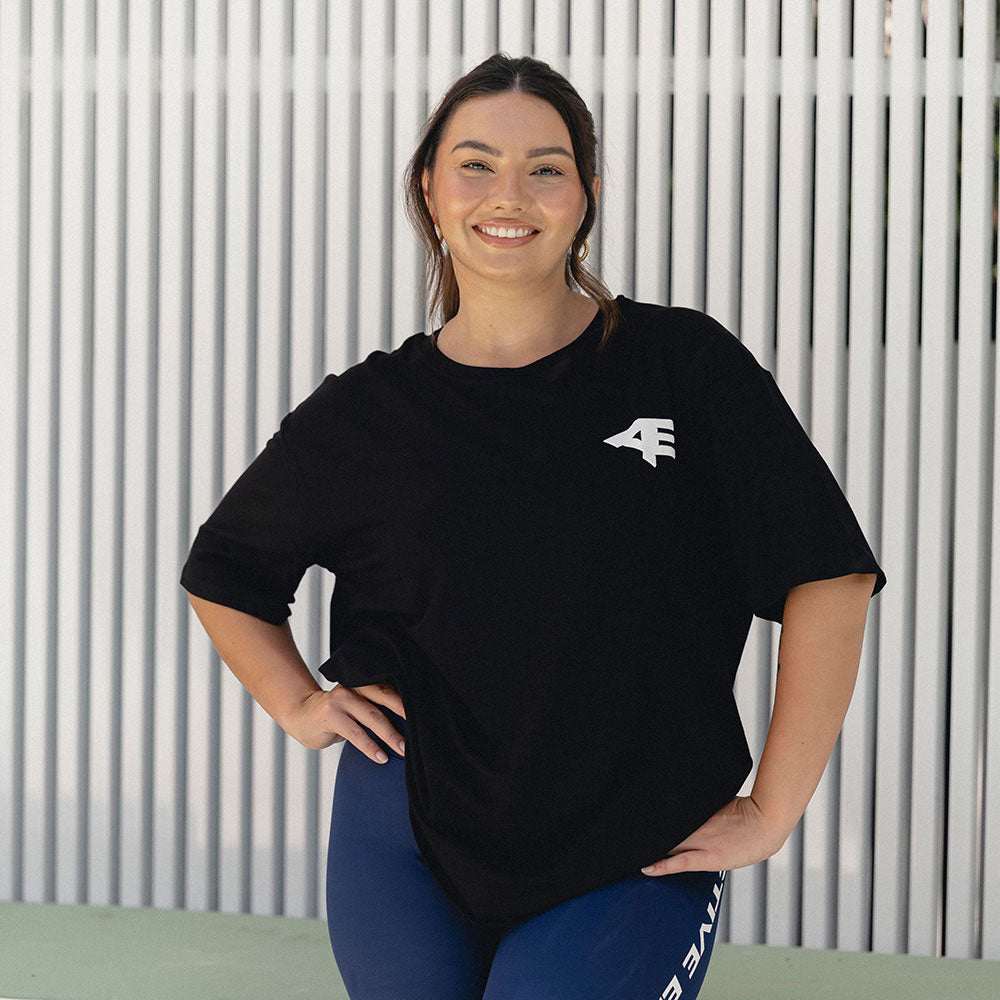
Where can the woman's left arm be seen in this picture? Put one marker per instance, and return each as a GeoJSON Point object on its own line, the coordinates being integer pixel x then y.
{"type": "Point", "coordinates": [823, 626]}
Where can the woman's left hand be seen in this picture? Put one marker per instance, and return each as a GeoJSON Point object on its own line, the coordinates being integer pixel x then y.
{"type": "Point", "coordinates": [737, 835]}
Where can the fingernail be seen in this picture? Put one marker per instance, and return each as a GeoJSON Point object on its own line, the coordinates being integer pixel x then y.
{"type": "Point", "coordinates": [648, 870]}
{"type": "Point", "coordinates": [402, 746]}
{"type": "Point", "coordinates": [381, 757]}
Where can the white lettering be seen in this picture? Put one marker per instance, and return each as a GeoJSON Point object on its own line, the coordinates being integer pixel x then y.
{"type": "Point", "coordinates": [673, 990]}
{"type": "Point", "coordinates": [703, 932]}
{"type": "Point", "coordinates": [697, 950]}
{"type": "Point", "coordinates": [693, 957]}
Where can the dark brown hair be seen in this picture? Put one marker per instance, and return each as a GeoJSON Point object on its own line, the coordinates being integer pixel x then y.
{"type": "Point", "coordinates": [497, 75]}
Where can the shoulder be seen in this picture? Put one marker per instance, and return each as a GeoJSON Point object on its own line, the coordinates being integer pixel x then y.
{"type": "Point", "coordinates": [357, 382]}
{"type": "Point", "coordinates": [679, 326]}
{"type": "Point", "coordinates": [314, 409]}
{"type": "Point", "coordinates": [382, 366]}
{"type": "Point", "coordinates": [346, 406]}
{"type": "Point", "coordinates": [690, 340]}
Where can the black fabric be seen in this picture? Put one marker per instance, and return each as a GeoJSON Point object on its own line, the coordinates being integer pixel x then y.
{"type": "Point", "coordinates": [563, 615]}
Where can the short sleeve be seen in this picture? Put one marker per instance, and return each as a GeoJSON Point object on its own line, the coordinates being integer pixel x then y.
{"type": "Point", "coordinates": [254, 549]}
{"type": "Point", "coordinates": [790, 521]}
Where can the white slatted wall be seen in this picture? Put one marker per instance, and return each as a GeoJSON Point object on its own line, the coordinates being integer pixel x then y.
{"type": "Point", "coordinates": [200, 214]}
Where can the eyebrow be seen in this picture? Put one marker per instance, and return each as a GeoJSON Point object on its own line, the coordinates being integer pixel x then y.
{"type": "Point", "coordinates": [537, 151]}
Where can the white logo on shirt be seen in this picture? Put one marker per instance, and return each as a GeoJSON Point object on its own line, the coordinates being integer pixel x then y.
{"type": "Point", "coordinates": [651, 435]}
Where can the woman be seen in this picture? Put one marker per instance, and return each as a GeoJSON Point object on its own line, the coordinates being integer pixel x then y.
{"type": "Point", "coordinates": [551, 523]}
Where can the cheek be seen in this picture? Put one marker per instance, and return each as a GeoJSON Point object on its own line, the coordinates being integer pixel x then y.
{"type": "Point", "coordinates": [570, 210]}
{"type": "Point", "coordinates": [570, 205]}
{"type": "Point", "coordinates": [457, 190]}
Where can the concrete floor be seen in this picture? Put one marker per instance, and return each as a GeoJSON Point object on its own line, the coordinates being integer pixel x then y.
{"type": "Point", "coordinates": [53, 952]}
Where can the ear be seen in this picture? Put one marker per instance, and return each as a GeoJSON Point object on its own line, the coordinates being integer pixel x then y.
{"type": "Point", "coordinates": [425, 183]}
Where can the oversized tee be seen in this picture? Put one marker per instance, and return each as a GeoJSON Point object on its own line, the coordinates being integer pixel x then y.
{"type": "Point", "coordinates": [556, 565]}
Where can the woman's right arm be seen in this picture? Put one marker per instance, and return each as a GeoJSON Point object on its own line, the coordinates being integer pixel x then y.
{"type": "Point", "coordinates": [268, 664]}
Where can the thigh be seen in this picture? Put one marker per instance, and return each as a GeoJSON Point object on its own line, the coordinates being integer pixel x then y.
{"type": "Point", "coordinates": [395, 936]}
{"type": "Point", "coordinates": [642, 938]}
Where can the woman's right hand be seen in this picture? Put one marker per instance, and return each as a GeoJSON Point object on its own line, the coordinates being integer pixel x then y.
{"type": "Point", "coordinates": [323, 718]}
{"type": "Point", "coordinates": [266, 661]}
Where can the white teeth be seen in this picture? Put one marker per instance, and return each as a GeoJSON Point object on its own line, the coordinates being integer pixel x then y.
{"type": "Point", "coordinates": [505, 233]}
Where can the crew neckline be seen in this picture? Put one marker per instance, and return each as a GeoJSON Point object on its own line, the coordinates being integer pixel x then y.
{"type": "Point", "coordinates": [557, 358]}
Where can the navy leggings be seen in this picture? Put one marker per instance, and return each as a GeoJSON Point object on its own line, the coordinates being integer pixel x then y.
{"type": "Point", "coordinates": [396, 936]}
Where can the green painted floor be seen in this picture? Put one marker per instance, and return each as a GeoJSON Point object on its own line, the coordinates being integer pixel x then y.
{"type": "Point", "coordinates": [52, 952]}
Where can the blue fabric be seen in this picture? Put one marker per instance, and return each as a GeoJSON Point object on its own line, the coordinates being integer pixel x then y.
{"type": "Point", "coordinates": [395, 935]}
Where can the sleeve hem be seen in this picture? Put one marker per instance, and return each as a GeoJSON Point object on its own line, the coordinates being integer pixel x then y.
{"type": "Point", "coordinates": [263, 609]}
{"type": "Point", "coordinates": [772, 607]}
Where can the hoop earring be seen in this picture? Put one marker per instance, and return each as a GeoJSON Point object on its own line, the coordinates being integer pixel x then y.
{"type": "Point", "coordinates": [586, 250]}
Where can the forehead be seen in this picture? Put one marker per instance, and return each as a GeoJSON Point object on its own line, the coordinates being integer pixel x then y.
{"type": "Point", "coordinates": [507, 121]}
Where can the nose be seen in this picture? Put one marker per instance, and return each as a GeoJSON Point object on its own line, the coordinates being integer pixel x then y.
{"type": "Point", "coordinates": [508, 188]}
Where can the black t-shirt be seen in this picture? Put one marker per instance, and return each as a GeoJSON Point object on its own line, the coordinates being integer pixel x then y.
{"type": "Point", "coordinates": [556, 566]}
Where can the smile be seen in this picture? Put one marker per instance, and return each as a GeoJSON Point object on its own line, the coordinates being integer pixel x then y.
{"type": "Point", "coordinates": [501, 239]}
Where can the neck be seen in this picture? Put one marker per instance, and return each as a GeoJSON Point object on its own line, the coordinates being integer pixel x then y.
{"type": "Point", "coordinates": [510, 326]}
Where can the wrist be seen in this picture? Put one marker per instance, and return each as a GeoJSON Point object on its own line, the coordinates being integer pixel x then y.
{"type": "Point", "coordinates": [294, 702]}
{"type": "Point", "coordinates": [778, 815]}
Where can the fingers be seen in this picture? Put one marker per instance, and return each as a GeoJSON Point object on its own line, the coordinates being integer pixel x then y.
{"type": "Point", "coordinates": [359, 713]}
{"type": "Point", "coordinates": [386, 695]}
{"type": "Point", "coordinates": [687, 861]}
{"type": "Point", "coordinates": [383, 694]}
{"type": "Point", "coordinates": [731, 838]}
{"type": "Point", "coordinates": [378, 722]}
{"type": "Point", "coordinates": [393, 700]}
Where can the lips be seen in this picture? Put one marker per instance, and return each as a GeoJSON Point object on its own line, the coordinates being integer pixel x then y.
{"type": "Point", "coordinates": [504, 241]}
{"type": "Point", "coordinates": [510, 226]}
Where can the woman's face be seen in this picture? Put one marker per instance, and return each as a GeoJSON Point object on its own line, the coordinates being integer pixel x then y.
{"type": "Point", "coordinates": [506, 161]}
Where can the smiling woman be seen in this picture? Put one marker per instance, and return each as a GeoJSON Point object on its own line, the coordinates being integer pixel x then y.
{"type": "Point", "coordinates": [506, 232]}
{"type": "Point", "coordinates": [551, 525]}
{"type": "Point", "coordinates": [515, 305]}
